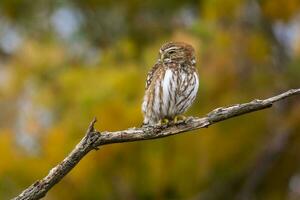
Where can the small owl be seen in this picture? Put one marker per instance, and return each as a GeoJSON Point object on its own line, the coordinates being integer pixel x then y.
{"type": "Point", "coordinates": [171, 85]}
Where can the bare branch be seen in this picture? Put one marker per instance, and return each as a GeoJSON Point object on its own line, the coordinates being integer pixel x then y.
{"type": "Point", "coordinates": [93, 139]}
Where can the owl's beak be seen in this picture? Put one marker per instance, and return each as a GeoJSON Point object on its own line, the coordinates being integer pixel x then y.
{"type": "Point", "coordinates": [161, 55]}
{"type": "Point", "coordinates": [193, 61]}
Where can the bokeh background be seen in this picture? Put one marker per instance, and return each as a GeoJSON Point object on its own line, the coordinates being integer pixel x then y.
{"type": "Point", "coordinates": [63, 62]}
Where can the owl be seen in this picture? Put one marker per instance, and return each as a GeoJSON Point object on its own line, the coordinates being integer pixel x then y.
{"type": "Point", "coordinates": [171, 85]}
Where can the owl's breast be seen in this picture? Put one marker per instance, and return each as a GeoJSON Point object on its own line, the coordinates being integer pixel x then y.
{"type": "Point", "coordinates": [179, 88]}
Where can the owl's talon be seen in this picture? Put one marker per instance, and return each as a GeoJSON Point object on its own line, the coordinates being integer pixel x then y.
{"type": "Point", "coordinates": [164, 121]}
{"type": "Point", "coordinates": [179, 118]}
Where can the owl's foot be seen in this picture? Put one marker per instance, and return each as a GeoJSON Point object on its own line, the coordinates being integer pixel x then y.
{"type": "Point", "coordinates": [179, 118]}
{"type": "Point", "coordinates": [164, 121]}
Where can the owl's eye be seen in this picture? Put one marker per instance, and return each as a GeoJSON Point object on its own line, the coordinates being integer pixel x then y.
{"type": "Point", "coordinates": [172, 52]}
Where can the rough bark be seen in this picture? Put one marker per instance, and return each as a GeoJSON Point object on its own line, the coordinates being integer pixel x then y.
{"type": "Point", "coordinates": [94, 139]}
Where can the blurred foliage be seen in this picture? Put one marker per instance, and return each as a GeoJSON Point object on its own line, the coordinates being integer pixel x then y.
{"type": "Point", "coordinates": [63, 62]}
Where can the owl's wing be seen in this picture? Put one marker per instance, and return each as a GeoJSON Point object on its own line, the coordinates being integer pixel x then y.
{"type": "Point", "coordinates": [151, 74]}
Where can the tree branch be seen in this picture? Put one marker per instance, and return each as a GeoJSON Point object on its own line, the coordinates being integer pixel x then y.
{"type": "Point", "coordinates": [93, 139]}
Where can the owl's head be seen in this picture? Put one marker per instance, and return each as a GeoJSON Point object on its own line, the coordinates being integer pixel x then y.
{"type": "Point", "coordinates": [178, 52]}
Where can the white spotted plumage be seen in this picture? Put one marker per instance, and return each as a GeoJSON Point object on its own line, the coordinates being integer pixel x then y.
{"type": "Point", "coordinates": [171, 85]}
